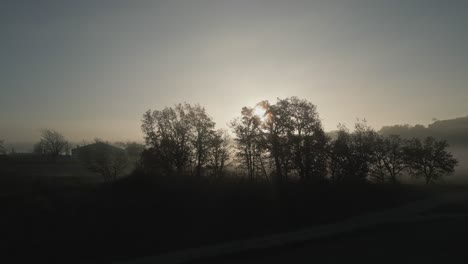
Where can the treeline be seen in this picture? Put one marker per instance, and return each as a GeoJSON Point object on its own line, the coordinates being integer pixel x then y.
{"type": "Point", "coordinates": [2, 148]}
{"type": "Point", "coordinates": [453, 130]}
{"type": "Point", "coordinates": [110, 160]}
{"type": "Point", "coordinates": [284, 141]}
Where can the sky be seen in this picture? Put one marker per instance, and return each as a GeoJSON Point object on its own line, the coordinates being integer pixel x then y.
{"type": "Point", "coordinates": [90, 69]}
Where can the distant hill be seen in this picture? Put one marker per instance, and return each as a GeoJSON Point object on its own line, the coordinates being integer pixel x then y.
{"type": "Point", "coordinates": [455, 131]}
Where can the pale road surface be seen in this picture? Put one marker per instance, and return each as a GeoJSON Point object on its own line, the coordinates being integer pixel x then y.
{"type": "Point", "coordinates": [383, 237]}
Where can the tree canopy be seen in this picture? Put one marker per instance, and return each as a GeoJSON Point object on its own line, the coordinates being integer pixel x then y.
{"type": "Point", "coordinates": [283, 141]}
{"type": "Point", "coordinates": [52, 144]}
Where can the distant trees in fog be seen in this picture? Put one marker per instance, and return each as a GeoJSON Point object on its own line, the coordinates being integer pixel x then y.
{"type": "Point", "coordinates": [273, 142]}
{"type": "Point", "coordinates": [133, 150]}
{"type": "Point", "coordinates": [283, 141]}
{"type": "Point", "coordinates": [365, 155]}
{"type": "Point", "coordinates": [453, 130]}
{"type": "Point", "coordinates": [51, 144]}
{"type": "Point", "coordinates": [2, 148]}
{"type": "Point", "coordinates": [109, 161]}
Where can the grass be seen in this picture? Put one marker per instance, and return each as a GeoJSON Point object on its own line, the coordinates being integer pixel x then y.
{"type": "Point", "coordinates": [51, 214]}
{"type": "Point", "coordinates": [73, 219]}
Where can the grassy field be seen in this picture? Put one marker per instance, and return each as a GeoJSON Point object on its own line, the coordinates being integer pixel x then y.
{"type": "Point", "coordinates": [81, 219]}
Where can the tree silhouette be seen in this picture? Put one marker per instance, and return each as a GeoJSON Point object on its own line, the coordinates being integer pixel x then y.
{"type": "Point", "coordinates": [306, 138]}
{"type": "Point", "coordinates": [276, 128]}
{"type": "Point", "coordinates": [168, 137]}
{"type": "Point", "coordinates": [391, 160]}
{"type": "Point", "coordinates": [219, 152]}
{"type": "Point", "coordinates": [353, 154]}
{"type": "Point", "coordinates": [178, 138]}
{"type": "Point", "coordinates": [429, 159]}
{"type": "Point", "coordinates": [51, 144]}
{"type": "Point", "coordinates": [132, 149]}
{"type": "Point", "coordinates": [248, 139]}
{"type": "Point", "coordinates": [104, 159]}
{"type": "Point", "coordinates": [289, 134]}
{"type": "Point", "coordinates": [378, 171]}
{"type": "Point", "coordinates": [2, 148]}
{"type": "Point", "coordinates": [286, 142]}
{"type": "Point", "coordinates": [340, 155]}
{"type": "Point", "coordinates": [202, 126]}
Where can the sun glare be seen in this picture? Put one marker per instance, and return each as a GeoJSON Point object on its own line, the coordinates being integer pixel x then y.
{"type": "Point", "coordinates": [260, 112]}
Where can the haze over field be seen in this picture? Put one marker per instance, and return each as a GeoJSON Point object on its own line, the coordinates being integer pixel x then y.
{"type": "Point", "coordinates": [91, 68]}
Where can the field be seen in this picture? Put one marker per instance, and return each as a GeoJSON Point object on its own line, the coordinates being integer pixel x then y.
{"type": "Point", "coordinates": [82, 219]}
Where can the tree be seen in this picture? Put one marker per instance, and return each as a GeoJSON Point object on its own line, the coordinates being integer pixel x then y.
{"type": "Point", "coordinates": [132, 149]}
{"type": "Point", "coordinates": [353, 154]}
{"type": "Point", "coordinates": [275, 129]}
{"type": "Point", "coordinates": [177, 138]}
{"type": "Point", "coordinates": [106, 160]}
{"type": "Point", "coordinates": [306, 138]}
{"type": "Point", "coordinates": [52, 144]}
{"type": "Point", "coordinates": [202, 126]}
{"type": "Point", "coordinates": [312, 158]}
{"type": "Point", "coordinates": [288, 133]}
{"type": "Point", "coordinates": [430, 159]}
{"type": "Point", "coordinates": [249, 141]}
{"type": "Point", "coordinates": [220, 151]}
{"type": "Point", "coordinates": [340, 155]}
{"type": "Point", "coordinates": [168, 137]}
{"type": "Point", "coordinates": [378, 171]}
{"type": "Point", "coordinates": [295, 139]}
{"type": "Point", "coordinates": [391, 159]}
{"type": "Point", "coordinates": [2, 148]}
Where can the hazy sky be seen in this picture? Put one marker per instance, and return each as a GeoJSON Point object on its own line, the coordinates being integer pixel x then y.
{"type": "Point", "coordinates": [91, 68]}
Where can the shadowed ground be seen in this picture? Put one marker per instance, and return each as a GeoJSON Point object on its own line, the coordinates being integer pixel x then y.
{"type": "Point", "coordinates": [440, 241]}
{"type": "Point", "coordinates": [433, 229]}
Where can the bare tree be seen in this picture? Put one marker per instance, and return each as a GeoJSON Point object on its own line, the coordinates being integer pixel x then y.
{"type": "Point", "coordinates": [202, 126]}
{"type": "Point", "coordinates": [378, 170]}
{"type": "Point", "coordinates": [168, 136]}
{"type": "Point", "coordinates": [110, 166]}
{"type": "Point", "coordinates": [429, 159]}
{"type": "Point", "coordinates": [340, 155]}
{"type": "Point", "coordinates": [249, 141]}
{"type": "Point", "coordinates": [178, 138]}
{"type": "Point", "coordinates": [391, 160]}
{"type": "Point", "coordinates": [105, 160]}
{"type": "Point", "coordinates": [295, 139]}
{"type": "Point", "coordinates": [352, 155]}
{"type": "Point", "coordinates": [220, 151]}
{"type": "Point", "coordinates": [275, 128]}
{"type": "Point", "coordinates": [289, 133]}
{"type": "Point", "coordinates": [306, 138]}
{"type": "Point", "coordinates": [52, 144]}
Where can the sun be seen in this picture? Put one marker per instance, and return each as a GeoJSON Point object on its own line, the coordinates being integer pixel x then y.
{"type": "Point", "coordinates": [260, 112]}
